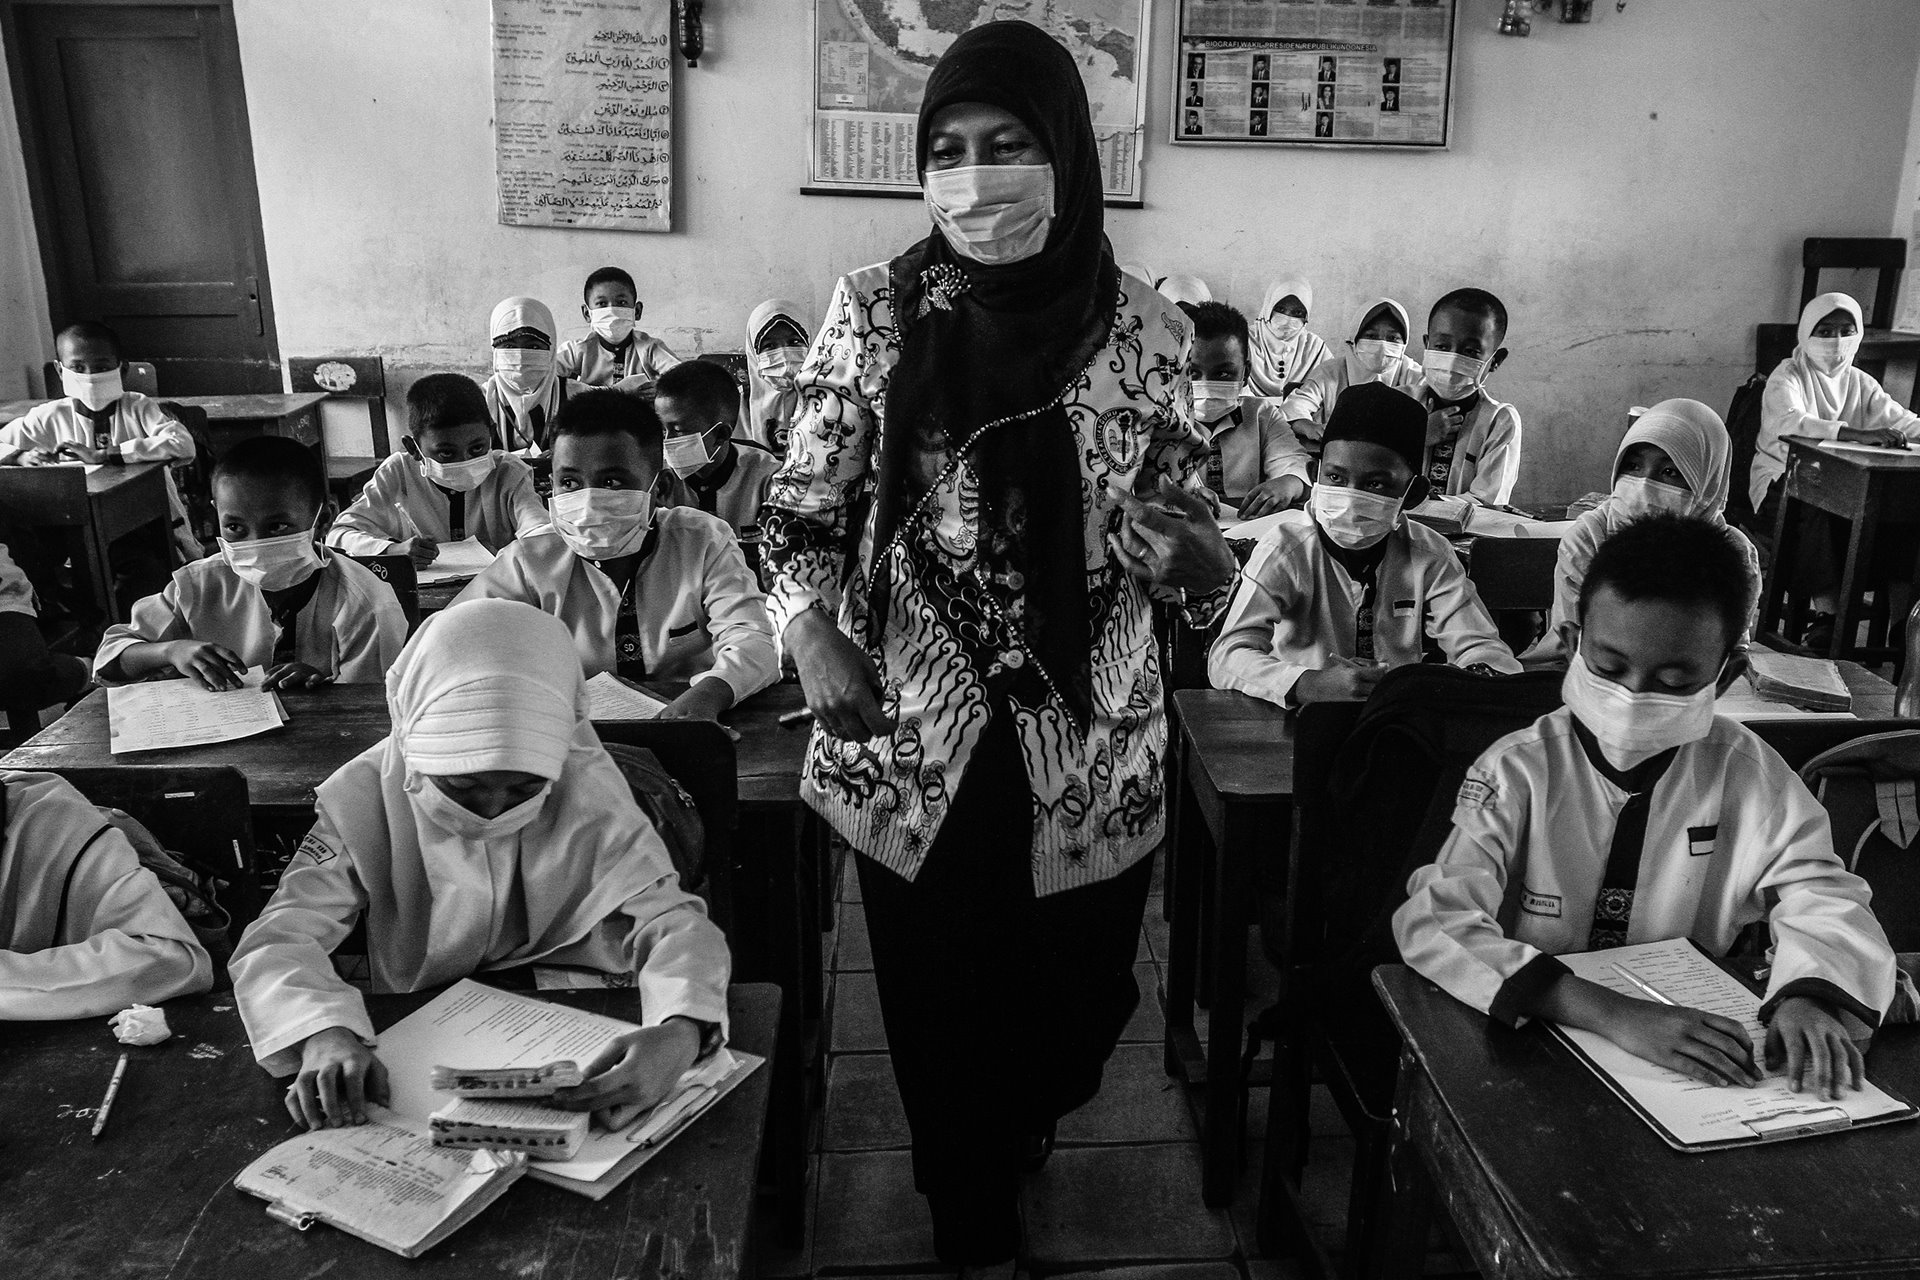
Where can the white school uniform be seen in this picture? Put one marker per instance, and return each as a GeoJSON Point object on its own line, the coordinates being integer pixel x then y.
{"type": "Point", "coordinates": [85, 930]}
{"type": "Point", "coordinates": [352, 629]}
{"type": "Point", "coordinates": [1273, 365]}
{"type": "Point", "coordinates": [1312, 401]}
{"type": "Point", "coordinates": [140, 431]}
{"type": "Point", "coordinates": [588, 883]}
{"type": "Point", "coordinates": [400, 503]}
{"type": "Point", "coordinates": [1733, 837]}
{"type": "Point", "coordinates": [1480, 461]}
{"type": "Point", "coordinates": [699, 610]}
{"type": "Point", "coordinates": [591, 361]}
{"type": "Point", "coordinates": [768, 408]}
{"type": "Point", "coordinates": [1256, 444]}
{"type": "Point", "coordinates": [736, 493]}
{"type": "Point", "coordinates": [1296, 610]}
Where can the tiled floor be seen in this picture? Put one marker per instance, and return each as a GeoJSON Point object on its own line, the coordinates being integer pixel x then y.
{"type": "Point", "coordinates": [1120, 1197]}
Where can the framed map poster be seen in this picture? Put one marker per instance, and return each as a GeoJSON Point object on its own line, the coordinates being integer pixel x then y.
{"type": "Point", "coordinates": [870, 64]}
{"type": "Point", "coordinates": [1339, 73]}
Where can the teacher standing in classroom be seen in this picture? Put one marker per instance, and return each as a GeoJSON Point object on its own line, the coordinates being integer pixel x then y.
{"type": "Point", "coordinates": [960, 561]}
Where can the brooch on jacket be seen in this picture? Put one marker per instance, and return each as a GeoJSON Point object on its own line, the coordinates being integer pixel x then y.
{"type": "Point", "coordinates": [943, 283]}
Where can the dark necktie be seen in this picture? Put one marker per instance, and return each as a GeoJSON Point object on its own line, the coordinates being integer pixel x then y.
{"type": "Point", "coordinates": [1613, 905]}
{"type": "Point", "coordinates": [456, 513]}
{"type": "Point", "coordinates": [284, 608]}
{"type": "Point", "coordinates": [101, 422]}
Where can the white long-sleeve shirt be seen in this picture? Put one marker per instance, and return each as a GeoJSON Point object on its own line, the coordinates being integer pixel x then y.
{"type": "Point", "coordinates": [1296, 607]}
{"type": "Point", "coordinates": [119, 941]}
{"type": "Point", "coordinates": [140, 431]}
{"type": "Point", "coordinates": [1733, 837]}
{"type": "Point", "coordinates": [1256, 444]}
{"type": "Point", "coordinates": [1312, 401]}
{"type": "Point", "coordinates": [1801, 402]}
{"type": "Point", "coordinates": [1485, 458]}
{"type": "Point", "coordinates": [400, 503]}
{"type": "Point", "coordinates": [591, 362]}
{"type": "Point", "coordinates": [699, 610]}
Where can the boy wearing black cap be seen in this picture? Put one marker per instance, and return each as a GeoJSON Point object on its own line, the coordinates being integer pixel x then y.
{"type": "Point", "coordinates": [1336, 595]}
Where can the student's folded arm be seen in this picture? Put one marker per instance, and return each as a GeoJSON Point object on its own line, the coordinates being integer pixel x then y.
{"type": "Point", "coordinates": [1242, 657]}
{"type": "Point", "coordinates": [660, 358]}
{"type": "Point", "coordinates": [745, 654]}
{"type": "Point", "coordinates": [1880, 411]}
{"type": "Point", "coordinates": [14, 441]}
{"type": "Point", "coordinates": [1460, 624]}
{"type": "Point", "coordinates": [1309, 400]}
{"type": "Point", "coordinates": [1499, 464]}
{"type": "Point", "coordinates": [1827, 941]}
{"type": "Point", "coordinates": [680, 958]}
{"type": "Point", "coordinates": [166, 440]}
{"type": "Point", "coordinates": [156, 619]}
{"type": "Point", "coordinates": [369, 632]}
{"type": "Point", "coordinates": [283, 976]}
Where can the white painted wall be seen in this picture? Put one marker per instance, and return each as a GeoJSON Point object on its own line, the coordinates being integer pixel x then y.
{"type": "Point", "coordinates": [25, 340]}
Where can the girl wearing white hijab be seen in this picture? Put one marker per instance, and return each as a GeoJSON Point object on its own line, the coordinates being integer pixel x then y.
{"type": "Point", "coordinates": [777, 341]}
{"type": "Point", "coordinates": [1284, 352]}
{"type": "Point", "coordinates": [489, 830]}
{"type": "Point", "coordinates": [1676, 457]}
{"type": "Point", "coordinates": [1377, 352]}
{"type": "Point", "coordinates": [524, 391]}
{"type": "Point", "coordinates": [1817, 392]}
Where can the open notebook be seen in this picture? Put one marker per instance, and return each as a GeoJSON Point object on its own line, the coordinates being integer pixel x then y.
{"type": "Point", "coordinates": [457, 560]}
{"type": "Point", "coordinates": [1688, 1115]}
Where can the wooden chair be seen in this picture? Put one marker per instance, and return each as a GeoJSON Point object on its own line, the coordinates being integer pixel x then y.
{"type": "Point", "coordinates": [1514, 578]}
{"type": "Point", "coordinates": [1885, 255]}
{"type": "Point", "coordinates": [398, 572]}
{"type": "Point", "coordinates": [699, 756]}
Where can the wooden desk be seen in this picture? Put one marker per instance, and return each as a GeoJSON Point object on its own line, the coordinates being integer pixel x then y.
{"type": "Point", "coordinates": [1864, 489]}
{"type": "Point", "coordinates": [1231, 806]}
{"type": "Point", "coordinates": [92, 510]}
{"type": "Point", "coordinates": [1547, 1174]}
{"type": "Point", "coordinates": [153, 1196]}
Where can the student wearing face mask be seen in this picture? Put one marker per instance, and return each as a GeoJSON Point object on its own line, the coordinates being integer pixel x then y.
{"type": "Point", "coordinates": [1335, 596]}
{"type": "Point", "coordinates": [1377, 352]}
{"type": "Point", "coordinates": [616, 353]}
{"type": "Point", "coordinates": [1284, 350]}
{"type": "Point", "coordinates": [448, 483]}
{"type": "Point", "coordinates": [699, 405]}
{"type": "Point", "coordinates": [1254, 462]}
{"type": "Point", "coordinates": [526, 388]}
{"type": "Point", "coordinates": [273, 597]}
{"type": "Point", "coordinates": [650, 592]}
{"type": "Point", "coordinates": [488, 831]}
{"type": "Point", "coordinates": [1674, 458]}
{"type": "Point", "coordinates": [1473, 440]}
{"type": "Point", "coordinates": [1634, 814]}
{"type": "Point", "coordinates": [777, 341]}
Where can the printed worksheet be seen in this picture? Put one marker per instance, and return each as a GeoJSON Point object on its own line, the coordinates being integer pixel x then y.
{"type": "Point", "coordinates": [460, 559]}
{"type": "Point", "coordinates": [164, 714]}
{"type": "Point", "coordinates": [611, 698]}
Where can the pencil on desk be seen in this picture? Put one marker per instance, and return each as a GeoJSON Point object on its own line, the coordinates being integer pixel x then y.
{"type": "Point", "coordinates": [792, 718]}
{"type": "Point", "coordinates": [1640, 982]}
{"type": "Point", "coordinates": [113, 1089]}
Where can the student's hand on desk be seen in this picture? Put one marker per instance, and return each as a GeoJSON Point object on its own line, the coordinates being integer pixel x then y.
{"type": "Point", "coordinates": [211, 666]}
{"type": "Point", "coordinates": [295, 675]}
{"type": "Point", "coordinates": [1269, 496]}
{"type": "Point", "coordinates": [338, 1077]}
{"type": "Point", "coordinates": [80, 453]}
{"type": "Point", "coordinates": [841, 684]}
{"type": "Point", "coordinates": [1701, 1046]}
{"type": "Point", "coordinates": [1885, 437]}
{"type": "Point", "coordinates": [37, 458]}
{"type": "Point", "coordinates": [636, 1069]}
{"type": "Point", "coordinates": [422, 550]}
{"type": "Point", "coordinates": [1820, 1056]}
{"type": "Point", "coordinates": [705, 700]}
{"type": "Point", "coordinates": [1349, 682]}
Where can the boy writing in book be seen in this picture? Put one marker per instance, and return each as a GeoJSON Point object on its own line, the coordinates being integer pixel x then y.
{"type": "Point", "coordinates": [1336, 595]}
{"type": "Point", "coordinates": [273, 597]}
{"type": "Point", "coordinates": [616, 353]}
{"type": "Point", "coordinates": [489, 831]}
{"type": "Point", "coordinates": [1473, 440]}
{"type": "Point", "coordinates": [650, 592]}
{"type": "Point", "coordinates": [1254, 462]}
{"type": "Point", "coordinates": [699, 405]}
{"type": "Point", "coordinates": [1633, 814]}
{"type": "Point", "coordinates": [449, 484]}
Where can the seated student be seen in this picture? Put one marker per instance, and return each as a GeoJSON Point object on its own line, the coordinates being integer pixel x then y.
{"type": "Point", "coordinates": [98, 421]}
{"type": "Point", "coordinates": [1675, 457]}
{"type": "Point", "coordinates": [525, 390]}
{"type": "Point", "coordinates": [1377, 352]}
{"type": "Point", "coordinates": [450, 482]}
{"type": "Point", "coordinates": [489, 831]}
{"type": "Point", "coordinates": [1285, 351]}
{"type": "Point", "coordinates": [31, 675]}
{"type": "Point", "coordinates": [615, 353]}
{"type": "Point", "coordinates": [651, 592]}
{"type": "Point", "coordinates": [274, 597]}
{"type": "Point", "coordinates": [1336, 595]}
{"type": "Point", "coordinates": [699, 405]}
{"type": "Point", "coordinates": [777, 340]}
{"type": "Point", "coordinates": [1254, 462]}
{"type": "Point", "coordinates": [85, 930]}
{"type": "Point", "coordinates": [1634, 814]}
{"type": "Point", "coordinates": [1473, 440]}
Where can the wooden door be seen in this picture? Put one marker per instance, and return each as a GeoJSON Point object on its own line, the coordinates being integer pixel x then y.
{"type": "Point", "coordinates": [134, 128]}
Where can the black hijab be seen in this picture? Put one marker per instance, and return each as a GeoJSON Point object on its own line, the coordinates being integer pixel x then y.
{"type": "Point", "coordinates": [982, 344]}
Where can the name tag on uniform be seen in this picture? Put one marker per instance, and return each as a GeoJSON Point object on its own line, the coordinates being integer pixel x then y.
{"type": "Point", "coordinates": [1540, 904]}
{"type": "Point", "coordinates": [1401, 608]}
{"type": "Point", "coordinates": [1700, 840]}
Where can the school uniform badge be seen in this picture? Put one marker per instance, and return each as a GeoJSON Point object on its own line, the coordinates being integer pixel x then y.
{"type": "Point", "coordinates": [1118, 436]}
{"type": "Point", "coordinates": [1477, 791]}
{"type": "Point", "coordinates": [314, 848]}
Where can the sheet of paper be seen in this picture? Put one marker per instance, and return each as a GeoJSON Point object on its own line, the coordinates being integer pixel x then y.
{"type": "Point", "coordinates": [165, 714]}
{"type": "Point", "coordinates": [1694, 1113]}
{"type": "Point", "coordinates": [88, 467]}
{"type": "Point", "coordinates": [611, 698]}
{"type": "Point", "coordinates": [460, 559]}
{"type": "Point", "coordinates": [1493, 522]}
{"type": "Point", "coordinates": [1252, 530]}
{"type": "Point", "coordinates": [1848, 446]}
{"type": "Point", "coordinates": [1741, 703]}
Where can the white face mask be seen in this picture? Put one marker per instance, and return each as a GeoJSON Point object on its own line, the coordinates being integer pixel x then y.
{"type": "Point", "coordinates": [272, 564]}
{"type": "Point", "coordinates": [462, 477]}
{"type": "Point", "coordinates": [522, 369]}
{"type": "Point", "coordinates": [94, 390]}
{"type": "Point", "coordinates": [1632, 728]}
{"type": "Point", "coordinates": [1213, 401]}
{"type": "Point", "coordinates": [1831, 355]}
{"type": "Point", "coordinates": [602, 524]}
{"type": "Point", "coordinates": [992, 213]}
{"type": "Point", "coordinates": [443, 811]}
{"type": "Point", "coordinates": [1354, 518]}
{"type": "Point", "coordinates": [613, 323]}
{"type": "Point", "coordinates": [1635, 496]}
{"type": "Point", "coordinates": [1374, 354]}
{"type": "Point", "coordinates": [1451, 375]}
{"type": "Point", "coordinates": [780, 365]}
{"type": "Point", "coordinates": [1285, 328]}
{"type": "Point", "coordinates": [687, 454]}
